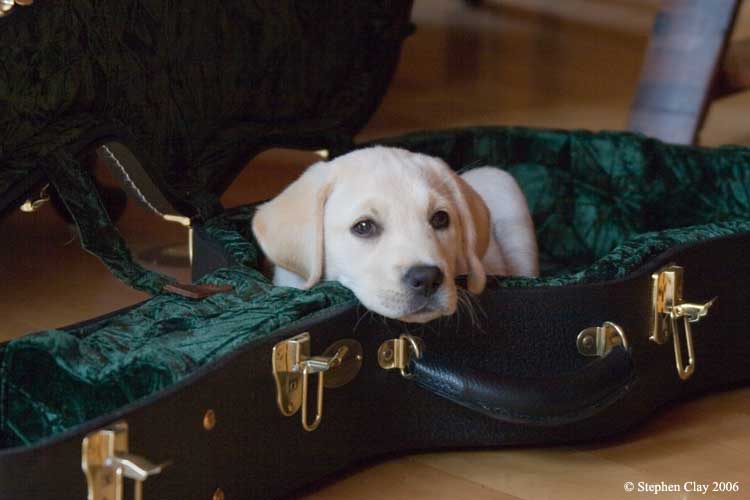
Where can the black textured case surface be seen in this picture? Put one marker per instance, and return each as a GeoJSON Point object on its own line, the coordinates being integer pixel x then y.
{"type": "Point", "coordinates": [255, 452]}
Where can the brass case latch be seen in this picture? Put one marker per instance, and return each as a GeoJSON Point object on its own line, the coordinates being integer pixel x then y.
{"type": "Point", "coordinates": [668, 309]}
{"type": "Point", "coordinates": [105, 461]}
{"type": "Point", "coordinates": [293, 365]}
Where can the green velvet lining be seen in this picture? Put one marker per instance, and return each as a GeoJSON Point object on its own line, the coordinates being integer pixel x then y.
{"type": "Point", "coordinates": [603, 204]}
{"type": "Point", "coordinates": [194, 88]}
{"type": "Point", "coordinates": [56, 379]}
{"type": "Point", "coordinates": [97, 233]}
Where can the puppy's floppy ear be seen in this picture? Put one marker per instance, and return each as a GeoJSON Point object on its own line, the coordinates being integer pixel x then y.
{"type": "Point", "coordinates": [474, 229]}
{"type": "Point", "coordinates": [289, 228]}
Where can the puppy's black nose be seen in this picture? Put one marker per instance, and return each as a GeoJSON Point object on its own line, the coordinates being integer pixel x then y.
{"type": "Point", "coordinates": [424, 279]}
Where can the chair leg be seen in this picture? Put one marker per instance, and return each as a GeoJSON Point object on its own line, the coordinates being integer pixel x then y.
{"type": "Point", "coordinates": [687, 45]}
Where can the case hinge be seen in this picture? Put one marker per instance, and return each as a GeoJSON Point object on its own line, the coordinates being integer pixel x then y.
{"type": "Point", "coordinates": [293, 365]}
{"type": "Point", "coordinates": [668, 309]}
{"type": "Point", "coordinates": [105, 461]}
{"type": "Point", "coordinates": [395, 354]}
{"type": "Point", "coordinates": [600, 340]}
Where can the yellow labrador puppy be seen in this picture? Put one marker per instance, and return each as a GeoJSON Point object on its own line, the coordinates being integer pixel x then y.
{"type": "Point", "coordinates": [395, 228]}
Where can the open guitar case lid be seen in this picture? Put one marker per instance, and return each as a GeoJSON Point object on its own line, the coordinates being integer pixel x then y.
{"type": "Point", "coordinates": [259, 390]}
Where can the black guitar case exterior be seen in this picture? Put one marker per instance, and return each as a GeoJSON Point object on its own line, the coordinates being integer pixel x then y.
{"type": "Point", "coordinates": [247, 390]}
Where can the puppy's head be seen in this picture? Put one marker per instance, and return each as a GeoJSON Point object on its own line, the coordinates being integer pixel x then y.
{"type": "Point", "coordinates": [392, 226]}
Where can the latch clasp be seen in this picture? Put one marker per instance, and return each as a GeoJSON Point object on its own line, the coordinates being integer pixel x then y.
{"type": "Point", "coordinates": [668, 309]}
{"type": "Point", "coordinates": [105, 461]}
{"type": "Point", "coordinates": [293, 365]}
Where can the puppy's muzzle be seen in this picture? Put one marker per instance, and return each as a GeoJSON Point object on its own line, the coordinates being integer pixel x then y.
{"type": "Point", "coordinates": [423, 280]}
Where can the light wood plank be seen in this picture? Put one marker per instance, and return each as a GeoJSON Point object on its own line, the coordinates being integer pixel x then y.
{"type": "Point", "coordinates": [406, 479]}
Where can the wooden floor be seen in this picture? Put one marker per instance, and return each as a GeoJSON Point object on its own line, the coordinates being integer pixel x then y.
{"type": "Point", "coordinates": [546, 63]}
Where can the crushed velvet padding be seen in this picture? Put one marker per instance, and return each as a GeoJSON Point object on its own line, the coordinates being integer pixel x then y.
{"type": "Point", "coordinates": [591, 192]}
{"type": "Point", "coordinates": [96, 231]}
{"type": "Point", "coordinates": [193, 87]}
{"type": "Point", "coordinates": [603, 205]}
{"type": "Point", "coordinates": [56, 379]}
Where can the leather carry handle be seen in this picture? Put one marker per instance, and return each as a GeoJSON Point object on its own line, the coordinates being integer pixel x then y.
{"type": "Point", "coordinates": [541, 402]}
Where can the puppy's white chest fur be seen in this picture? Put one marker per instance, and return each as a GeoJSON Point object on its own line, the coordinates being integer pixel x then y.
{"type": "Point", "coordinates": [282, 277]}
{"type": "Point", "coordinates": [512, 250]}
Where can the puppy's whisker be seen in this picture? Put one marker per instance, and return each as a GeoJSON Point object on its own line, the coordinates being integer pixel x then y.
{"type": "Point", "coordinates": [473, 308]}
{"type": "Point", "coordinates": [385, 322]}
{"type": "Point", "coordinates": [361, 317]}
{"type": "Point", "coordinates": [477, 304]}
{"type": "Point", "coordinates": [457, 321]}
{"type": "Point", "coordinates": [465, 305]}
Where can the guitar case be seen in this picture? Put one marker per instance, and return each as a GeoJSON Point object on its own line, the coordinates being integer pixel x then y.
{"type": "Point", "coordinates": [230, 387]}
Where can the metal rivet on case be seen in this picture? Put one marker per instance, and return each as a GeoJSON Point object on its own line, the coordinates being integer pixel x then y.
{"type": "Point", "coordinates": [209, 422]}
{"type": "Point", "coordinates": [218, 495]}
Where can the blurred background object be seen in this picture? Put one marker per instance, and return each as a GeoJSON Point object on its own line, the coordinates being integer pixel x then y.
{"type": "Point", "coordinates": [691, 61]}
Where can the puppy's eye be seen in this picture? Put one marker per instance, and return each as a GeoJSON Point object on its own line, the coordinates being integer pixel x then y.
{"type": "Point", "coordinates": [440, 219]}
{"type": "Point", "coordinates": [365, 228]}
